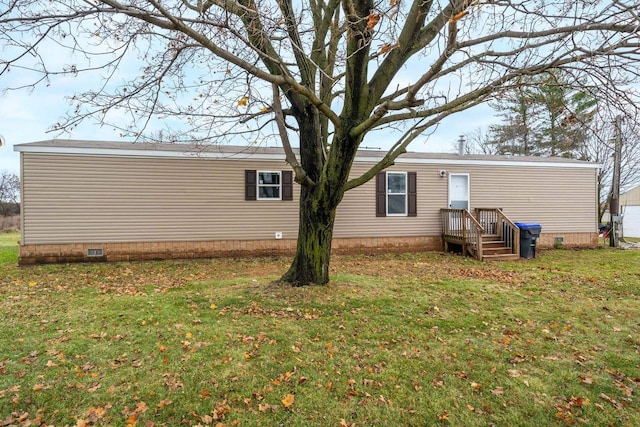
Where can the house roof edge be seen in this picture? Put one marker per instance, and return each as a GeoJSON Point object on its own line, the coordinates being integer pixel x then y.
{"type": "Point", "coordinates": [257, 152]}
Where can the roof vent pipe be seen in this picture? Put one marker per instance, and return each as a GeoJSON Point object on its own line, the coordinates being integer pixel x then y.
{"type": "Point", "coordinates": [461, 145]}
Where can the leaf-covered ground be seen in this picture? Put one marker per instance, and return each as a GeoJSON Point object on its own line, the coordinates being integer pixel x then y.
{"type": "Point", "coordinates": [414, 339]}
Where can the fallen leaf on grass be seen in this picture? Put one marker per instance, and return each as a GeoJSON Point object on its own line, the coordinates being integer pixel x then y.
{"type": "Point", "coordinates": [585, 380]}
{"type": "Point", "coordinates": [288, 401]}
{"type": "Point", "coordinates": [221, 410]}
{"type": "Point", "coordinates": [497, 391]}
{"type": "Point", "coordinates": [614, 402]}
{"type": "Point", "coordinates": [164, 403]}
{"type": "Point", "coordinates": [438, 381]}
{"type": "Point", "coordinates": [266, 407]}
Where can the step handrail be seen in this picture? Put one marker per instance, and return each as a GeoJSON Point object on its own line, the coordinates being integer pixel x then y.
{"type": "Point", "coordinates": [508, 231]}
{"type": "Point", "coordinates": [461, 225]}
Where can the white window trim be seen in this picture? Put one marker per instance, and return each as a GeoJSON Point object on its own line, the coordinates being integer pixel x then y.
{"type": "Point", "coordinates": [258, 185]}
{"type": "Point", "coordinates": [405, 194]}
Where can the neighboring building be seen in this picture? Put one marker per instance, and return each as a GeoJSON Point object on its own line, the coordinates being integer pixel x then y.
{"type": "Point", "coordinates": [630, 210]}
{"type": "Point", "coordinates": [115, 201]}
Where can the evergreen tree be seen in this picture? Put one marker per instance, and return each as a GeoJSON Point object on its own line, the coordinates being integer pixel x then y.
{"type": "Point", "coordinates": [545, 116]}
{"type": "Point", "coordinates": [567, 114]}
{"type": "Point", "coordinates": [518, 133]}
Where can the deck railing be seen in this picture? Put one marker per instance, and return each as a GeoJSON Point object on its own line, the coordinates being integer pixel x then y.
{"type": "Point", "coordinates": [496, 222]}
{"type": "Point", "coordinates": [459, 226]}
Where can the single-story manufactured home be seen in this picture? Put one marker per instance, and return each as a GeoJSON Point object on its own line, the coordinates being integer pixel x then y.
{"type": "Point", "coordinates": [114, 201]}
{"type": "Point", "coordinates": [630, 210]}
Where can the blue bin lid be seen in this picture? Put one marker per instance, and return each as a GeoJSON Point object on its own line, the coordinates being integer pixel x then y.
{"type": "Point", "coordinates": [527, 225]}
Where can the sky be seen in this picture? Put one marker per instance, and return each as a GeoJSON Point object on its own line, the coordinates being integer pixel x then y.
{"type": "Point", "coordinates": [27, 115]}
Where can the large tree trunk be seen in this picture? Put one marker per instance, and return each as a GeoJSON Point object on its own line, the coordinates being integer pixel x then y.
{"type": "Point", "coordinates": [311, 262]}
{"type": "Point", "coordinates": [318, 203]}
{"type": "Point", "coordinates": [317, 206]}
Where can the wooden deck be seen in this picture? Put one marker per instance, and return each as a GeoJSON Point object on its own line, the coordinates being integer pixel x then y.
{"type": "Point", "coordinates": [487, 235]}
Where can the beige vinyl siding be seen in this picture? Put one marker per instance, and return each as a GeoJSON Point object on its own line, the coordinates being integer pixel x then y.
{"type": "Point", "coordinates": [356, 215]}
{"type": "Point", "coordinates": [73, 198]}
{"type": "Point", "coordinates": [97, 198]}
{"type": "Point", "coordinates": [631, 197]}
{"type": "Point", "coordinates": [562, 200]}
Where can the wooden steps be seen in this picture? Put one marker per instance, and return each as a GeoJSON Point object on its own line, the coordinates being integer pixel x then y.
{"type": "Point", "coordinates": [495, 249]}
{"type": "Point", "coordinates": [469, 231]}
{"type": "Point", "coordinates": [501, 257]}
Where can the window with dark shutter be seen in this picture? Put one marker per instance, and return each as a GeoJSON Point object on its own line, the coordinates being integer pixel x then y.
{"type": "Point", "coordinates": [250, 185]}
{"type": "Point", "coordinates": [396, 194]}
{"type": "Point", "coordinates": [261, 185]}
{"type": "Point", "coordinates": [381, 194]}
{"type": "Point", "coordinates": [412, 194]}
{"type": "Point", "coordinates": [287, 185]}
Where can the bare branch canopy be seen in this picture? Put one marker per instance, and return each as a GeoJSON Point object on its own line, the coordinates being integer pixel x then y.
{"type": "Point", "coordinates": [324, 74]}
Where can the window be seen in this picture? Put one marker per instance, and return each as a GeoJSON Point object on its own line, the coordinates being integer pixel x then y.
{"type": "Point", "coordinates": [268, 185]}
{"type": "Point", "coordinates": [396, 194]}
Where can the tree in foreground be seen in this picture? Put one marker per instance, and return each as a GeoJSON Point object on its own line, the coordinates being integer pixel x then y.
{"type": "Point", "coordinates": [326, 72]}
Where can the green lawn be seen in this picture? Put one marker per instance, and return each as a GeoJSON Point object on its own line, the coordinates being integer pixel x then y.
{"type": "Point", "coordinates": [9, 247]}
{"type": "Point", "coordinates": [413, 339]}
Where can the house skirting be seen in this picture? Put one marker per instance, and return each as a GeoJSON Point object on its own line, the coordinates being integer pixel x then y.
{"type": "Point", "coordinates": [568, 240]}
{"type": "Point", "coordinates": [138, 251]}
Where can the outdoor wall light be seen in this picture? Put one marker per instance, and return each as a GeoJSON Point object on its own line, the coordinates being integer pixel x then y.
{"type": "Point", "coordinates": [443, 173]}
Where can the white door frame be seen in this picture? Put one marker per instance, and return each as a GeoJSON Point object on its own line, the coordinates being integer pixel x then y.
{"type": "Point", "coordinates": [468, 198]}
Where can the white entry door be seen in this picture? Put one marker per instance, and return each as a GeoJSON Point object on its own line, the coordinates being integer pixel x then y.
{"type": "Point", "coordinates": [459, 191]}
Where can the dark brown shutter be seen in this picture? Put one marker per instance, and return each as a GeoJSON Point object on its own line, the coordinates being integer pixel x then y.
{"type": "Point", "coordinates": [412, 193]}
{"type": "Point", "coordinates": [287, 185]}
{"type": "Point", "coordinates": [381, 194]}
{"type": "Point", "coordinates": [250, 185]}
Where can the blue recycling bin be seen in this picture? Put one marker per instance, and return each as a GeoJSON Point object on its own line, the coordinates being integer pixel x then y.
{"type": "Point", "coordinates": [529, 233]}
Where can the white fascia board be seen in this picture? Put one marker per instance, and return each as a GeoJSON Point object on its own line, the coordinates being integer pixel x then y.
{"type": "Point", "coordinates": [477, 162]}
{"type": "Point", "coordinates": [132, 152]}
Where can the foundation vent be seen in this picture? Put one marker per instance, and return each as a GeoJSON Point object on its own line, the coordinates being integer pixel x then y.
{"type": "Point", "coordinates": [94, 252]}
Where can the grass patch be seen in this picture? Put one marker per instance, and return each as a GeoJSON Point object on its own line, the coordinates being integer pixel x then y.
{"type": "Point", "coordinates": [9, 247]}
{"type": "Point", "coordinates": [413, 339]}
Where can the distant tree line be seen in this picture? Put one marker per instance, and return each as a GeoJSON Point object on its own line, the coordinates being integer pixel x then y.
{"type": "Point", "coordinates": [9, 194]}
